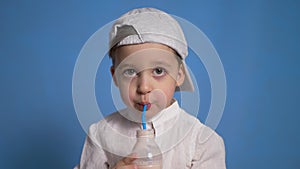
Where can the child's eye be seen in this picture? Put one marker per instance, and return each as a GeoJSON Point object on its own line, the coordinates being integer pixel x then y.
{"type": "Point", "coordinates": [159, 71]}
{"type": "Point", "coordinates": [129, 73]}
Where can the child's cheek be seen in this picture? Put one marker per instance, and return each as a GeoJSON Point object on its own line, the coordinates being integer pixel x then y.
{"type": "Point", "coordinates": [125, 93]}
{"type": "Point", "coordinates": [158, 98]}
{"type": "Point", "coordinates": [131, 94]}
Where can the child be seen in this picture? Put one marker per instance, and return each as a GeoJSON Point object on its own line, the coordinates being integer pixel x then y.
{"type": "Point", "coordinates": [148, 51]}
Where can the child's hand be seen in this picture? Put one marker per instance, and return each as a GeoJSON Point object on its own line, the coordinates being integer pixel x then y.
{"type": "Point", "coordinates": [126, 163]}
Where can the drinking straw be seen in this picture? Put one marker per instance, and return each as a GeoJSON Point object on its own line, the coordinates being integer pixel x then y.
{"type": "Point", "coordinates": [144, 117]}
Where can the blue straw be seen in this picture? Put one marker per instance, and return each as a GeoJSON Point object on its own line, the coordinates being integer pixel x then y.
{"type": "Point", "coordinates": [144, 117]}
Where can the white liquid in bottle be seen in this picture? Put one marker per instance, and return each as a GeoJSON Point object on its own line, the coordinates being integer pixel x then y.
{"type": "Point", "coordinates": [147, 151]}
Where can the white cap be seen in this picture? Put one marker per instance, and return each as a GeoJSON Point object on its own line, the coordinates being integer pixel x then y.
{"type": "Point", "coordinates": [144, 25]}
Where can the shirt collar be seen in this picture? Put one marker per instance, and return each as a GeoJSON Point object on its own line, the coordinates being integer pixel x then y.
{"type": "Point", "coordinates": [166, 119]}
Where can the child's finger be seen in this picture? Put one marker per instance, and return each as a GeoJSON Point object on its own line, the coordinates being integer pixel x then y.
{"type": "Point", "coordinates": [126, 162]}
{"type": "Point", "coordinates": [129, 167]}
{"type": "Point", "coordinates": [129, 159]}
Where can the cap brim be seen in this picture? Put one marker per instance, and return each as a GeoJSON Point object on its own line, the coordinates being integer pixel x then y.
{"type": "Point", "coordinates": [187, 85]}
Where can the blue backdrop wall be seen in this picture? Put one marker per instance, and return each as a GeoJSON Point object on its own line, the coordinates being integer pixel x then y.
{"type": "Point", "coordinates": [258, 43]}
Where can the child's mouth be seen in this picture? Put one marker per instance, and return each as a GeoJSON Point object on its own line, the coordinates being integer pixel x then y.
{"type": "Point", "coordinates": [140, 106]}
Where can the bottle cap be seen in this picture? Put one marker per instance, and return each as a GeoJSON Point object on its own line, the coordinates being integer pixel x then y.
{"type": "Point", "coordinates": [145, 133]}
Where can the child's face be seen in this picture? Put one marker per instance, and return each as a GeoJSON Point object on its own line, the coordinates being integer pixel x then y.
{"type": "Point", "coordinates": [147, 74]}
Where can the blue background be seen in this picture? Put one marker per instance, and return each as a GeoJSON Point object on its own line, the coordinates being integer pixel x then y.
{"type": "Point", "coordinates": [258, 43]}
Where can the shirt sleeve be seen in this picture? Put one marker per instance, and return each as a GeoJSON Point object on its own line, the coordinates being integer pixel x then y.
{"type": "Point", "coordinates": [93, 156]}
{"type": "Point", "coordinates": [210, 151]}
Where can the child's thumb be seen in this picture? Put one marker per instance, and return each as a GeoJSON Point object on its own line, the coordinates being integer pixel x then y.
{"type": "Point", "coordinates": [130, 158]}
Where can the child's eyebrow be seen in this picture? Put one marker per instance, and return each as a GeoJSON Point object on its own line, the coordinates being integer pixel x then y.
{"type": "Point", "coordinates": [125, 65]}
{"type": "Point", "coordinates": [163, 63]}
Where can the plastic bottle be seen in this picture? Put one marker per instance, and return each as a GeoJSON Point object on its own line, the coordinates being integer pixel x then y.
{"type": "Point", "coordinates": [147, 151]}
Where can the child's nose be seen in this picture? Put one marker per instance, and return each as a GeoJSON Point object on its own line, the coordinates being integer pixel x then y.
{"type": "Point", "coordinates": [144, 83]}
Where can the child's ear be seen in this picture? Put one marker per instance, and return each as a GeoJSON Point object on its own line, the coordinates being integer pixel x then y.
{"type": "Point", "coordinates": [180, 76]}
{"type": "Point", "coordinates": [112, 71]}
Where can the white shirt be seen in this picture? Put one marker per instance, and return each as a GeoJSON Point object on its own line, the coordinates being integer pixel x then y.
{"type": "Point", "coordinates": [184, 141]}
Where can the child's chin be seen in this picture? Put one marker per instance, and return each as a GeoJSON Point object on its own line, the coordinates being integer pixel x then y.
{"type": "Point", "coordinates": [152, 112]}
